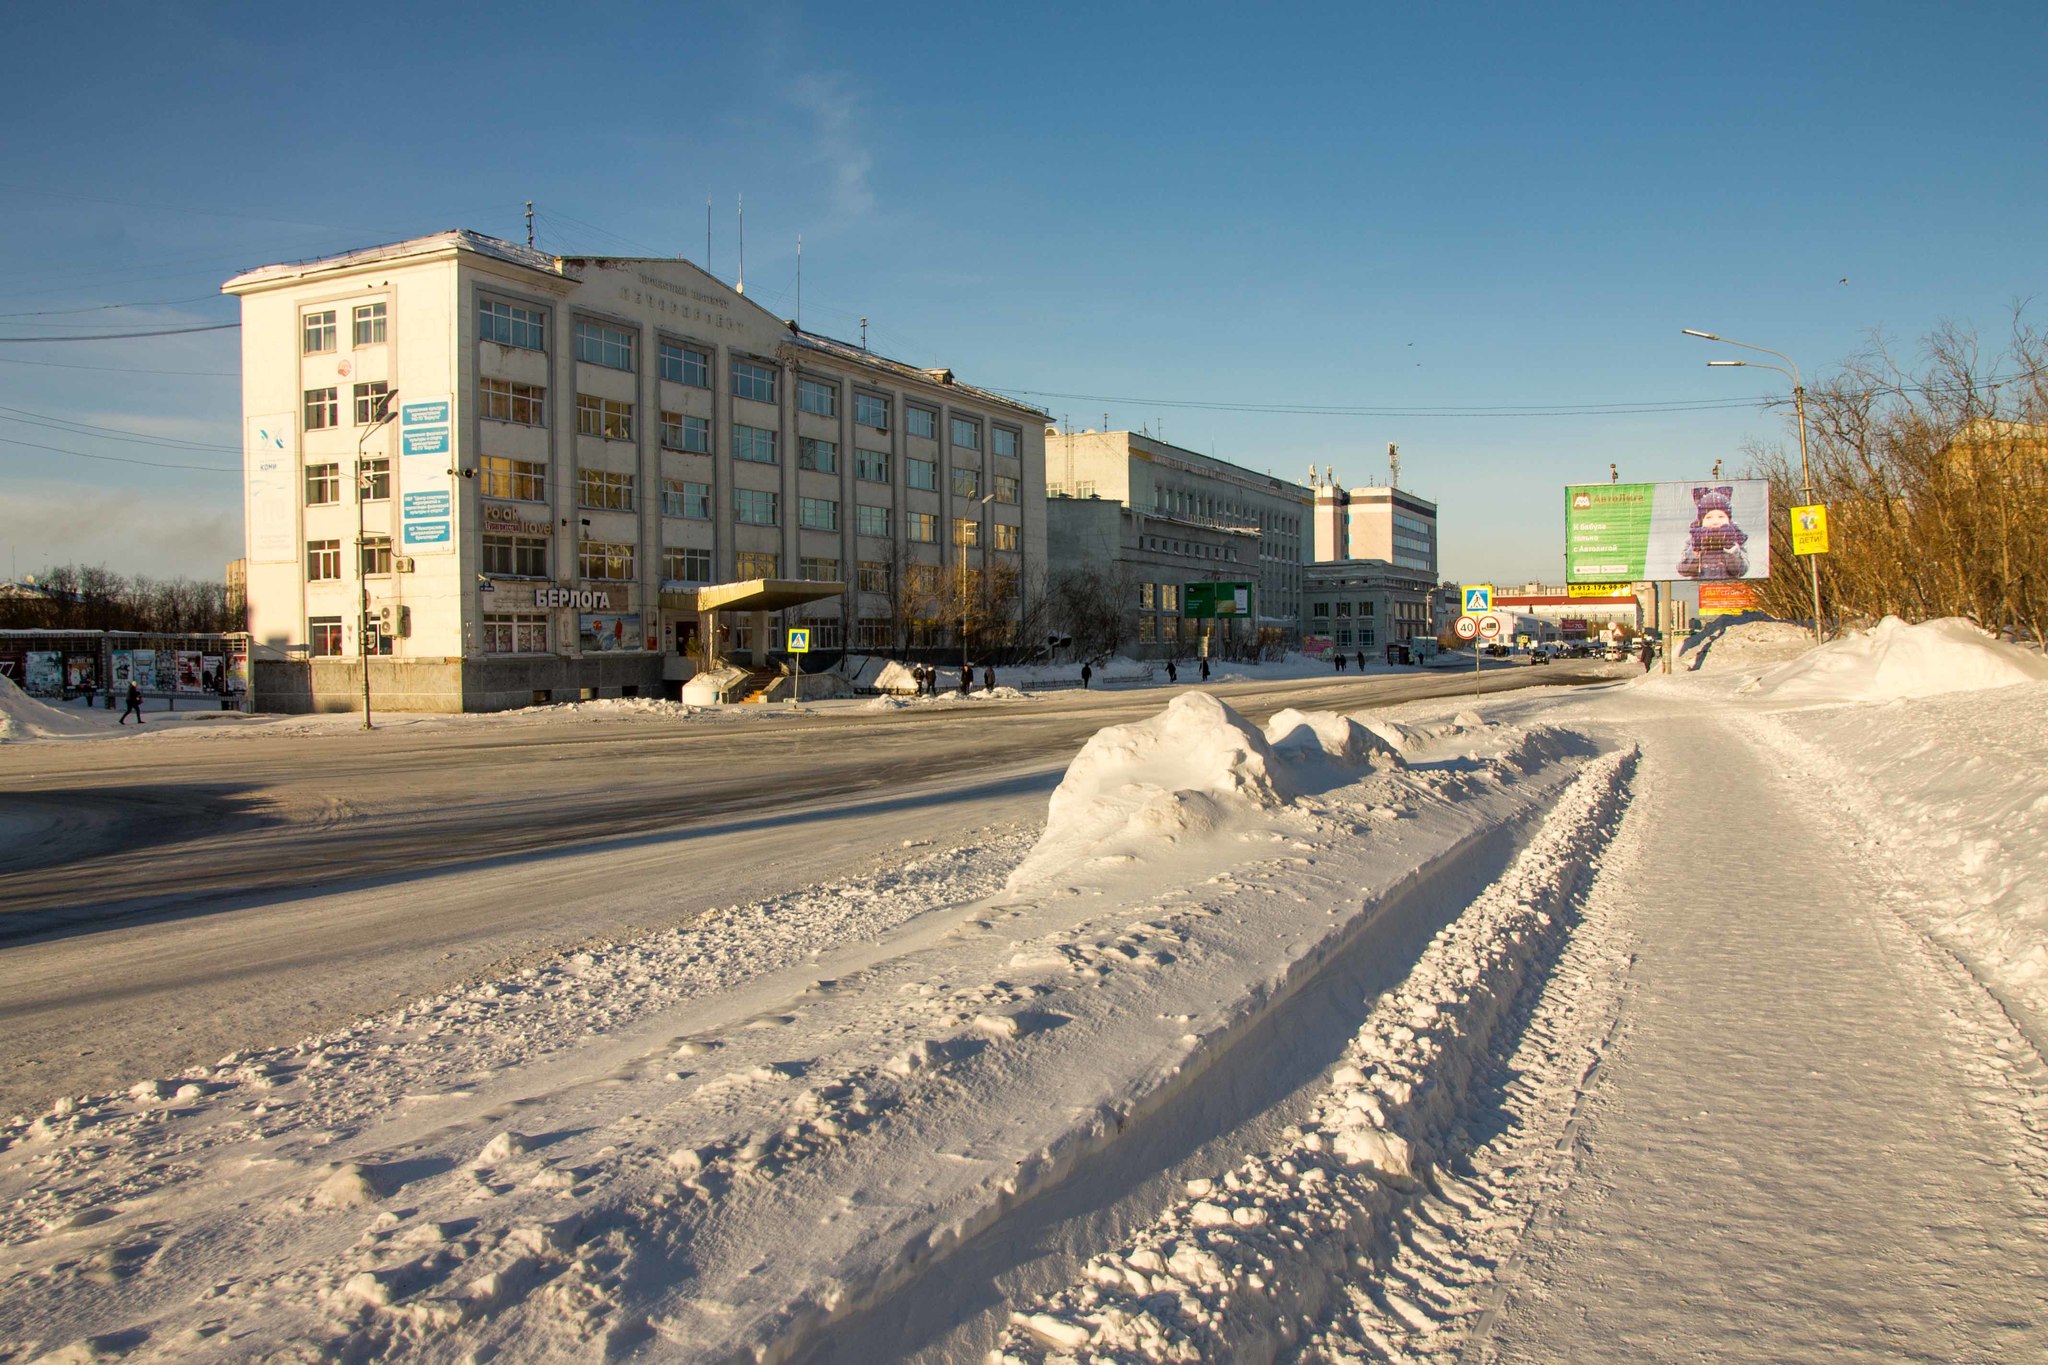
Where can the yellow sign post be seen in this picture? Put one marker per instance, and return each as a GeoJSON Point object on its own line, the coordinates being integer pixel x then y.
{"type": "Point", "coordinates": [1478, 598]}
{"type": "Point", "coordinates": [1810, 529]}
{"type": "Point", "coordinates": [799, 645]}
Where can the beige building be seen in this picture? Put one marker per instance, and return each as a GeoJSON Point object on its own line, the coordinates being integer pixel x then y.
{"type": "Point", "coordinates": [578, 447]}
{"type": "Point", "coordinates": [1390, 524]}
{"type": "Point", "coordinates": [1167, 488]}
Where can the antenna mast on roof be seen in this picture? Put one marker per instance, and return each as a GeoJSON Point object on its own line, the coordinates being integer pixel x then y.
{"type": "Point", "coordinates": [799, 281]}
{"type": "Point", "coordinates": [707, 232]}
{"type": "Point", "coordinates": [863, 334]}
{"type": "Point", "coordinates": [529, 225]}
{"type": "Point", "coordinates": [741, 287]}
{"type": "Point", "coordinates": [1393, 465]}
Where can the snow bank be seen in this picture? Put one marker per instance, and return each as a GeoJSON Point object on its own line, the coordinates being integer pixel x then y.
{"type": "Point", "coordinates": [1748, 642]}
{"type": "Point", "coordinates": [23, 717]}
{"type": "Point", "coordinates": [1894, 660]}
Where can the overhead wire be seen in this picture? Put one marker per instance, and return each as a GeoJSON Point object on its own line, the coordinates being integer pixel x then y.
{"type": "Point", "coordinates": [69, 427]}
{"type": "Point", "coordinates": [127, 336]}
{"type": "Point", "coordinates": [120, 459]}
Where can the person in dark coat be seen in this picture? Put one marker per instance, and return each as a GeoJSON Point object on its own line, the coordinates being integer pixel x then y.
{"type": "Point", "coordinates": [1646, 656]}
{"type": "Point", "coordinates": [1361, 661]}
{"type": "Point", "coordinates": [988, 677]}
{"type": "Point", "coordinates": [966, 679]}
{"type": "Point", "coordinates": [134, 703]}
{"type": "Point", "coordinates": [1172, 673]}
{"type": "Point", "coordinates": [1205, 670]}
{"type": "Point", "coordinates": [1086, 674]}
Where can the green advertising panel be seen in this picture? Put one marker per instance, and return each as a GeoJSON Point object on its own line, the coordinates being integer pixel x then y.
{"type": "Point", "coordinates": [1625, 532]}
{"type": "Point", "coordinates": [1203, 600]}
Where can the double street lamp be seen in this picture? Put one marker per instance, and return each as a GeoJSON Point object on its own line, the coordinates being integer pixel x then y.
{"type": "Point", "coordinates": [384, 416]}
{"type": "Point", "coordinates": [1790, 371]}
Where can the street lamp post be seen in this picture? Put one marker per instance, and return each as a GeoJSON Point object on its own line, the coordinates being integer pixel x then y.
{"type": "Point", "coordinates": [1799, 405]}
{"type": "Point", "coordinates": [981, 515]}
{"type": "Point", "coordinates": [363, 569]}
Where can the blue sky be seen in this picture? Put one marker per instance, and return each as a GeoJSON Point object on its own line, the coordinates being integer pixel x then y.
{"type": "Point", "coordinates": [1121, 210]}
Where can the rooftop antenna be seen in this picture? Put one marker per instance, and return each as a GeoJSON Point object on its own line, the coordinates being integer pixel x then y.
{"type": "Point", "coordinates": [707, 232]}
{"type": "Point", "coordinates": [799, 281]}
{"type": "Point", "coordinates": [741, 287]}
{"type": "Point", "coordinates": [863, 334]}
{"type": "Point", "coordinates": [1393, 465]}
{"type": "Point", "coordinates": [529, 225]}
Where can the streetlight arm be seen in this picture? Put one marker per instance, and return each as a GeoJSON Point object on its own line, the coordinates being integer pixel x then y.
{"type": "Point", "coordinates": [1747, 346]}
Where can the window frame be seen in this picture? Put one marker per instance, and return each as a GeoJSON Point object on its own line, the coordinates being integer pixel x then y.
{"type": "Point", "coordinates": [745, 437]}
{"type": "Point", "coordinates": [757, 376]}
{"type": "Point", "coordinates": [323, 478]}
{"type": "Point", "coordinates": [865, 460]}
{"type": "Point", "coordinates": [915, 416]}
{"type": "Point", "coordinates": [609, 346]}
{"type": "Point", "coordinates": [686, 557]}
{"type": "Point", "coordinates": [808, 388]}
{"type": "Point", "coordinates": [511, 396]}
{"type": "Point", "coordinates": [867, 517]}
{"type": "Point", "coordinates": [312, 329]}
{"type": "Point", "coordinates": [515, 549]}
{"type": "Point", "coordinates": [323, 561]}
{"type": "Point", "coordinates": [817, 514]}
{"type": "Point", "coordinates": [864, 405]}
{"type": "Point", "coordinates": [686, 358]}
{"type": "Point", "coordinates": [608, 419]}
{"type": "Point", "coordinates": [373, 316]}
{"type": "Point", "coordinates": [323, 408]}
{"type": "Point", "coordinates": [746, 501]}
{"type": "Point", "coordinates": [808, 449]}
{"type": "Point", "coordinates": [324, 637]}
{"type": "Point", "coordinates": [605, 490]}
{"type": "Point", "coordinates": [501, 476]}
{"type": "Point", "coordinates": [911, 468]}
{"type": "Point", "coordinates": [968, 426]}
{"type": "Point", "coordinates": [512, 326]}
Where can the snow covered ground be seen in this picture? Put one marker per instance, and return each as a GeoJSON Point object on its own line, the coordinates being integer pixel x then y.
{"type": "Point", "coordinates": [1274, 1042]}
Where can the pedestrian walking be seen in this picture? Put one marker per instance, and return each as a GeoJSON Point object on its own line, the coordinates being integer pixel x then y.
{"type": "Point", "coordinates": [134, 704]}
{"type": "Point", "coordinates": [1205, 670]}
{"type": "Point", "coordinates": [966, 679]}
{"type": "Point", "coordinates": [1646, 656]}
{"type": "Point", "coordinates": [1086, 674]}
{"type": "Point", "coordinates": [988, 677]}
{"type": "Point", "coordinates": [1172, 673]}
{"type": "Point", "coordinates": [1361, 661]}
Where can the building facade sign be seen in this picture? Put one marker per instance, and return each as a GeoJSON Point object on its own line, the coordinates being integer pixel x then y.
{"type": "Point", "coordinates": [506, 519]}
{"type": "Point", "coordinates": [425, 455]}
{"type": "Point", "coordinates": [273, 472]}
{"type": "Point", "coordinates": [582, 599]}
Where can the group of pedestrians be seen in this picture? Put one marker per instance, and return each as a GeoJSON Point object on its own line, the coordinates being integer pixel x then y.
{"type": "Point", "coordinates": [926, 679]}
{"type": "Point", "coordinates": [1338, 659]}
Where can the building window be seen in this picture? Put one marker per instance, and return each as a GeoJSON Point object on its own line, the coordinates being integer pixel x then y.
{"type": "Point", "coordinates": [604, 490]}
{"type": "Point", "coordinates": [921, 422]}
{"type": "Point", "coordinates": [371, 400]}
{"type": "Point", "coordinates": [681, 498]}
{"type": "Point", "coordinates": [605, 560]}
{"type": "Point", "coordinates": [1005, 536]}
{"type": "Point", "coordinates": [1006, 489]}
{"type": "Point", "coordinates": [525, 404]}
{"type": "Point", "coordinates": [753, 381]}
{"type": "Point", "coordinates": [606, 417]}
{"type": "Point", "coordinates": [323, 409]}
{"type": "Point", "coordinates": [756, 507]}
{"type": "Point", "coordinates": [1365, 636]}
{"type": "Point", "coordinates": [369, 319]}
{"type": "Point", "coordinates": [822, 456]}
{"type": "Point", "coordinates": [1319, 609]}
{"type": "Point", "coordinates": [324, 636]}
{"type": "Point", "coordinates": [873, 575]}
{"type": "Point", "coordinates": [756, 444]}
{"type": "Point", "coordinates": [373, 479]}
{"type": "Point", "coordinates": [818, 514]}
{"type": "Point", "coordinates": [319, 333]}
{"type": "Point", "coordinates": [966, 532]}
{"type": "Point", "coordinates": [871, 521]}
{"type": "Point", "coordinates": [514, 479]}
{"type": "Point", "coordinates": [682, 432]}
{"type": "Point", "coordinates": [323, 561]}
{"type": "Point", "coordinates": [1343, 609]}
{"type": "Point", "coordinates": [817, 397]}
{"type": "Point", "coordinates": [921, 473]}
{"type": "Point", "coordinates": [1147, 595]}
{"type": "Point", "coordinates": [515, 633]}
{"type": "Point", "coordinates": [1169, 597]}
{"type": "Point", "coordinates": [376, 552]}
{"type": "Point", "coordinates": [871, 410]}
{"type": "Point", "coordinates": [1148, 629]}
{"type": "Point", "coordinates": [923, 527]}
{"type": "Point", "coordinates": [966, 433]}
{"type": "Point", "coordinates": [871, 632]}
{"type": "Point", "coordinates": [815, 570]}
{"type": "Point", "coordinates": [1343, 635]}
{"type": "Point", "coordinates": [611, 347]}
{"type": "Point", "coordinates": [516, 556]}
{"type": "Point", "coordinates": [1003, 441]}
{"type": "Point", "coordinates": [323, 484]}
{"type": "Point", "coordinates": [508, 325]}
{"type": "Point", "coordinates": [757, 564]}
{"type": "Point", "coordinates": [966, 482]}
{"type": "Point", "coordinates": [872, 465]}
{"type": "Point", "coordinates": [686, 365]}
{"type": "Point", "coordinates": [686, 566]}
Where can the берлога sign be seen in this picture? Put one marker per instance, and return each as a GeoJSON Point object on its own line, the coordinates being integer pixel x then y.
{"type": "Point", "coordinates": [426, 452]}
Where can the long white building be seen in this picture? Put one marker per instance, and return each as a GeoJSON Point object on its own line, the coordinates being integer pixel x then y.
{"type": "Point", "coordinates": [585, 454]}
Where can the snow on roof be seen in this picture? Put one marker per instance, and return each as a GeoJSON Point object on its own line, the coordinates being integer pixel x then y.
{"type": "Point", "coordinates": [458, 239]}
{"type": "Point", "coordinates": [846, 350]}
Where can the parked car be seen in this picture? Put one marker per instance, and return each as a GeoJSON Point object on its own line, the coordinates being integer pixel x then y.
{"type": "Point", "coordinates": [1539, 655]}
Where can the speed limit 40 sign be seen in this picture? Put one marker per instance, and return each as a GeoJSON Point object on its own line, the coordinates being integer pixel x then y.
{"type": "Point", "coordinates": [1465, 628]}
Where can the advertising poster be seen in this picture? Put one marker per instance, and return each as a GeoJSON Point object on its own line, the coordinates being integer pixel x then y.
{"type": "Point", "coordinates": [123, 663]}
{"type": "Point", "coordinates": [238, 672]}
{"type": "Point", "coordinates": [1726, 599]}
{"type": "Point", "coordinates": [45, 673]}
{"type": "Point", "coordinates": [426, 452]}
{"type": "Point", "coordinates": [209, 669]}
{"type": "Point", "coordinates": [142, 669]}
{"type": "Point", "coordinates": [1810, 529]}
{"type": "Point", "coordinates": [80, 671]}
{"type": "Point", "coordinates": [1705, 532]}
{"type": "Point", "coordinates": [604, 632]}
{"type": "Point", "coordinates": [271, 465]}
{"type": "Point", "coordinates": [188, 673]}
{"type": "Point", "coordinates": [14, 666]}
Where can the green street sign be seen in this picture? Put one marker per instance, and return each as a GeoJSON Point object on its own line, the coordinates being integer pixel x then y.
{"type": "Point", "coordinates": [1201, 601]}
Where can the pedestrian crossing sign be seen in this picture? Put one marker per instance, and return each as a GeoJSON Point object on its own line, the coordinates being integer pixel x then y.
{"type": "Point", "coordinates": [1478, 598]}
{"type": "Point", "coordinates": [799, 641]}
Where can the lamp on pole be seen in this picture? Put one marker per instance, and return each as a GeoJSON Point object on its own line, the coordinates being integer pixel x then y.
{"type": "Point", "coordinates": [384, 416]}
{"type": "Point", "coordinates": [980, 509]}
{"type": "Point", "coordinates": [1790, 371]}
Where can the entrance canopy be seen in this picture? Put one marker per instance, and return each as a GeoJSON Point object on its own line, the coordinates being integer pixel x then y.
{"type": "Point", "coordinates": [753, 594]}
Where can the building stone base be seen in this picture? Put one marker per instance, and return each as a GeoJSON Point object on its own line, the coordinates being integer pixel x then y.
{"type": "Point", "coordinates": [303, 686]}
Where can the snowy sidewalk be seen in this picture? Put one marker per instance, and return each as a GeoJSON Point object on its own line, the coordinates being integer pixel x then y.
{"type": "Point", "coordinates": [1807, 1141]}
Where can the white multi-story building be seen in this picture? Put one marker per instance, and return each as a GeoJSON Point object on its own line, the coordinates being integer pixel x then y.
{"type": "Point", "coordinates": [1168, 490]}
{"type": "Point", "coordinates": [1390, 524]}
{"type": "Point", "coordinates": [580, 448]}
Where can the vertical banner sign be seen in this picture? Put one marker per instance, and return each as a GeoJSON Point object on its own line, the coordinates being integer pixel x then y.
{"type": "Point", "coordinates": [426, 453]}
{"type": "Point", "coordinates": [270, 474]}
{"type": "Point", "coordinates": [1810, 529]}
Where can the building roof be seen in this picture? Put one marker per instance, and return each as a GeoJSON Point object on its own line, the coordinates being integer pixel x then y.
{"type": "Point", "coordinates": [559, 268]}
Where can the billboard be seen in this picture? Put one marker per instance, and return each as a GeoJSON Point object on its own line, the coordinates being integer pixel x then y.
{"type": "Point", "coordinates": [606, 632]}
{"type": "Point", "coordinates": [1706, 532]}
{"type": "Point", "coordinates": [1203, 600]}
{"type": "Point", "coordinates": [1726, 599]}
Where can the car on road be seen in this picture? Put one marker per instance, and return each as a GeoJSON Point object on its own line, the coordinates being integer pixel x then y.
{"type": "Point", "coordinates": [1538, 654]}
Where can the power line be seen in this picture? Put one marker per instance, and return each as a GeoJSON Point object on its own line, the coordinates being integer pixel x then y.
{"type": "Point", "coordinates": [122, 369]}
{"type": "Point", "coordinates": [127, 336]}
{"type": "Point", "coordinates": [106, 307]}
{"type": "Point", "coordinates": [65, 424]}
{"type": "Point", "coordinates": [1321, 410]}
{"type": "Point", "coordinates": [118, 459]}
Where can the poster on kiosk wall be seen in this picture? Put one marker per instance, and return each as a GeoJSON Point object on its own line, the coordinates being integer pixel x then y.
{"type": "Point", "coordinates": [1705, 532]}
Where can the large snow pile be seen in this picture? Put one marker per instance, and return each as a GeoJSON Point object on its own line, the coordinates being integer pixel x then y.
{"type": "Point", "coordinates": [1752, 642]}
{"type": "Point", "coordinates": [23, 717]}
{"type": "Point", "coordinates": [1893, 661]}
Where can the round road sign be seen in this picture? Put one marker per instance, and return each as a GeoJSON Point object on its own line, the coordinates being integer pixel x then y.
{"type": "Point", "coordinates": [1465, 627]}
{"type": "Point", "coordinates": [1489, 626]}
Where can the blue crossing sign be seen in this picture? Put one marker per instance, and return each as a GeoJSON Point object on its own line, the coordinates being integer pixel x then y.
{"type": "Point", "coordinates": [1478, 598]}
{"type": "Point", "coordinates": [799, 641]}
